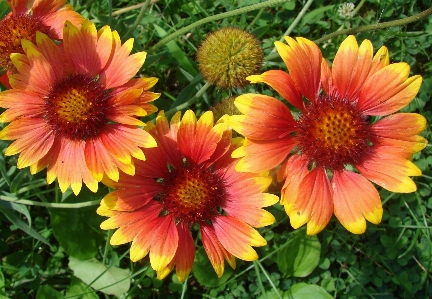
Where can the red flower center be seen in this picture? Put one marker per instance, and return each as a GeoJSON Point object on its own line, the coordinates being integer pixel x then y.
{"type": "Point", "coordinates": [192, 193]}
{"type": "Point", "coordinates": [332, 133]}
{"type": "Point", "coordinates": [13, 30]}
{"type": "Point", "coordinates": [77, 107]}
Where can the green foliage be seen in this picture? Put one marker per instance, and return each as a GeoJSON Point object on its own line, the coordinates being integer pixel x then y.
{"type": "Point", "coordinates": [51, 252]}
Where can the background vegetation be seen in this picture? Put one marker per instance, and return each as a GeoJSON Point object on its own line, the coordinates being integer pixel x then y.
{"type": "Point", "coordinates": [51, 244]}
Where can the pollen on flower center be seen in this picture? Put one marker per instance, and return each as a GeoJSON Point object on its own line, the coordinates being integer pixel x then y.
{"type": "Point", "coordinates": [192, 193]}
{"type": "Point", "coordinates": [13, 30]}
{"type": "Point", "coordinates": [333, 133]}
{"type": "Point", "coordinates": [76, 107]}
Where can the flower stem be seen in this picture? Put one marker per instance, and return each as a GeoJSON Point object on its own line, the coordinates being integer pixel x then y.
{"type": "Point", "coordinates": [137, 21]}
{"type": "Point", "coordinates": [384, 25]}
{"type": "Point", "coordinates": [188, 103]}
{"type": "Point", "coordinates": [51, 204]}
{"type": "Point", "coordinates": [372, 27]}
{"type": "Point", "coordinates": [224, 15]}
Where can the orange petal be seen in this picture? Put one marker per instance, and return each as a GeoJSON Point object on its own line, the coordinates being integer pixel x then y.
{"type": "Point", "coordinates": [70, 167]}
{"type": "Point", "coordinates": [351, 67]}
{"type": "Point", "coordinates": [355, 199]}
{"type": "Point", "coordinates": [283, 84]}
{"type": "Point", "coordinates": [261, 156]}
{"type": "Point", "coordinates": [215, 251]}
{"type": "Point", "coordinates": [132, 197]}
{"type": "Point", "coordinates": [80, 48]}
{"type": "Point", "coordinates": [276, 122]}
{"type": "Point", "coordinates": [401, 130]}
{"type": "Point", "coordinates": [185, 254]}
{"type": "Point", "coordinates": [389, 167]}
{"type": "Point", "coordinates": [164, 244]}
{"type": "Point", "coordinates": [292, 171]}
{"type": "Point", "coordinates": [52, 53]}
{"type": "Point", "coordinates": [303, 59]}
{"type": "Point", "coordinates": [388, 90]}
{"type": "Point", "coordinates": [122, 66]}
{"type": "Point", "coordinates": [237, 237]}
{"type": "Point", "coordinates": [313, 204]}
{"type": "Point", "coordinates": [197, 141]}
{"type": "Point", "coordinates": [100, 161]}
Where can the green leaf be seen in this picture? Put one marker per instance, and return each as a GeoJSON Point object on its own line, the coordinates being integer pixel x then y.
{"type": "Point", "coordinates": [300, 256]}
{"type": "Point", "coordinates": [204, 272]}
{"type": "Point", "coordinates": [21, 224]}
{"type": "Point", "coordinates": [315, 15]}
{"type": "Point", "coordinates": [3, 170]}
{"type": "Point", "coordinates": [77, 230]}
{"type": "Point", "coordinates": [307, 291]}
{"type": "Point", "coordinates": [107, 279]}
{"type": "Point", "coordinates": [187, 92]}
{"type": "Point", "coordinates": [17, 207]}
{"type": "Point", "coordinates": [47, 292]}
{"type": "Point", "coordinates": [79, 290]}
{"type": "Point", "coordinates": [177, 52]}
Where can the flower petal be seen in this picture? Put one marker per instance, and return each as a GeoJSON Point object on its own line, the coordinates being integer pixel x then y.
{"type": "Point", "coordinates": [215, 251]}
{"type": "Point", "coordinates": [313, 204]}
{"type": "Point", "coordinates": [185, 254]}
{"type": "Point", "coordinates": [401, 130]}
{"type": "Point", "coordinates": [283, 84]}
{"type": "Point", "coordinates": [237, 237]}
{"type": "Point", "coordinates": [303, 59]}
{"type": "Point", "coordinates": [351, 67]}
{"type": "Point", "coordinates": [355, 199]}
{"type": "Point", "coordinates": [388, 90]}
{"type": "Point", "coordinates": [389, 167]}
{"type": "Point", "coordinates": [276, 122]}
{"type": "Point", "coordinates": [258, 156]}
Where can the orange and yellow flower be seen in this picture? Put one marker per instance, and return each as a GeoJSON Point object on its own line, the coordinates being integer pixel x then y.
{"type": "Point", "coordinates": [345, 136]}
{"type": "Point", "coordinates": [73, 108]}
{"type": "Point", "coordinates": [25, 19]}
{"type": "Point", "coordinates": [188, 180]}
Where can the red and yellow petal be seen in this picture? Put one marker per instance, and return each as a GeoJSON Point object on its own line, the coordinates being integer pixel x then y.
{"type": "Point", "coordinates": [313, 204]}
{"type": "Point", "coordinates": [276, 122]}
{"type": "Point", "coordinates": [32, 145]}
{"type": "Point", "coordinates": [41, 76]}
{"type": "Point", "coordinates": [303, 59]}
{"type": "Point", "coordinates": [165, 245]}
{"type": "Point", "coordinates": [132, 197]}
{"type": "Point", "coordinates": [185, 254]}
{"type": "Point", "coordinates": [52, 53]}
{"type": "Point", "coordinates": [215, 251]}
{"type": "Point", "coordinates": [197, 140]}
{"type": "Point", "coordinates": [388, 90]}
{"type": "Point", "coordinates": [122, 66]}
{"type": "Point", "coordinates": [390, 168]}
{"type": "Point", "coordinates": [237, 237]}
{"type": "Point", "coordinates": [293, 172]}
{"type": "Point", "coordinates": [355, 199]}
{"type": "Point", "coordinates": [70, 167]}
{"type": "Point", "coordinates": [259, 156]}
{"type": "Point", "coordinates": [401, 130]}
{"type": "Point", "coordinates": [80, 48]}
{"type": "Point", "coordinates": [283, 84]}
{"type": "Point", "coordinates": [351, 67]}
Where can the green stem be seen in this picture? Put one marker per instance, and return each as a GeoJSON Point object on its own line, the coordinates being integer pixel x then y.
{"type": "Point", "coordinates": [384, 25]}
{"type": "Point", "coordinates": [188, 103]}
{"type": "Point", "coordinates": [296, 21]}
{"type": "Point", "coordinates": [137, 21]}
{"type": "Point", "coordinates": [372, 27]}
{"type": "Point", "coordinates": [127, 9]}
{"type": "Point", "coordinates": [107, 246]}
{"type": "Point", "coordinates": [257, 17]}
{"type": "Point", "coordinates": [356, 10]}
{"type": "Point", "coordinates": [50, 204]}
{"type": "Point", "coordinates": [224, 15]}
